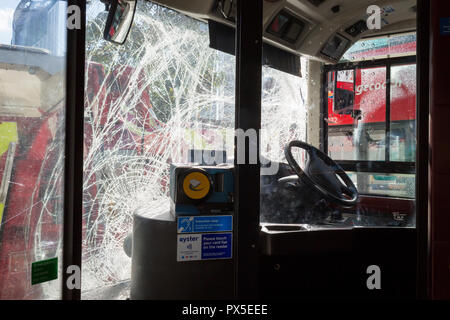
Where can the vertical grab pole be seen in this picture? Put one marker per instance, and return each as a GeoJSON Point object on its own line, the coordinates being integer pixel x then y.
{"type": "Point", "coordinates": [247, 119]}
{"type": "Point", "coordinates": [73, 163]}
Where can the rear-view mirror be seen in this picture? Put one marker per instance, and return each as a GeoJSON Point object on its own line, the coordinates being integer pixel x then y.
{"type": "Point", "coordinates": [120, 19]}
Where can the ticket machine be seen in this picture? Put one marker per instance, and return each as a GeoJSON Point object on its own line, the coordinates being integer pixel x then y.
{"type": "Point", "coordinates": [186, 252]}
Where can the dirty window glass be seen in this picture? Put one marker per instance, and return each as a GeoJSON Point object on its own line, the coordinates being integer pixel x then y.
{"type": "Point", "coordinates": [390, 185]}
{"type": "Point", "coordinates": [382, 47]}
{"type": "Point", "coordinates": [403, 113]}
{"type": "Point", "coordinates": [358, 133]}
{"type": "Point", "coordinates": [32, 126]}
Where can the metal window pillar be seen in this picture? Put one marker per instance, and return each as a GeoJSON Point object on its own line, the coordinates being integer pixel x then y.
{"type": "Point", "coordinates": [73, 165]}
{"type": "Point", "coordinates": [247, 116]}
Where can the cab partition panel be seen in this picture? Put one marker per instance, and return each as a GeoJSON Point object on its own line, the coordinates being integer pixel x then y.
{"type": "Point", "coordinates": [368, 125]}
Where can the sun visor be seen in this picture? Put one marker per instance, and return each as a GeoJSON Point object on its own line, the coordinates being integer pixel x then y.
{"type": "Point", "coordinates": [222, 38]}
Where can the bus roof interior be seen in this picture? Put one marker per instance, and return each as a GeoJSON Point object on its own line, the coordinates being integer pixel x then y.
{"type": "Point", "coordinates": [318, 22]}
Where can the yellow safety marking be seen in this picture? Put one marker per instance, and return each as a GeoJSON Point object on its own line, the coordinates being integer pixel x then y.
{"type": "Point", "coordinates": [2, 207]}
{"type": "Point", "coordinates": [8, 134]}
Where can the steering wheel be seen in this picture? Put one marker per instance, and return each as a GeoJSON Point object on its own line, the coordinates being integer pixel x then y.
{"type": "Point", "coordinates": [322, 173]}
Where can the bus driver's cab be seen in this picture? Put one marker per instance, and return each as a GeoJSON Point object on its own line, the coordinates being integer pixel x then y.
{"type": "Point", "coordinates": [337, 152]}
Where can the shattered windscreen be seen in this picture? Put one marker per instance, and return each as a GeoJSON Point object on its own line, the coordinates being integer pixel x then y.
{"type": "Point", "coordinates": [148, 102]}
